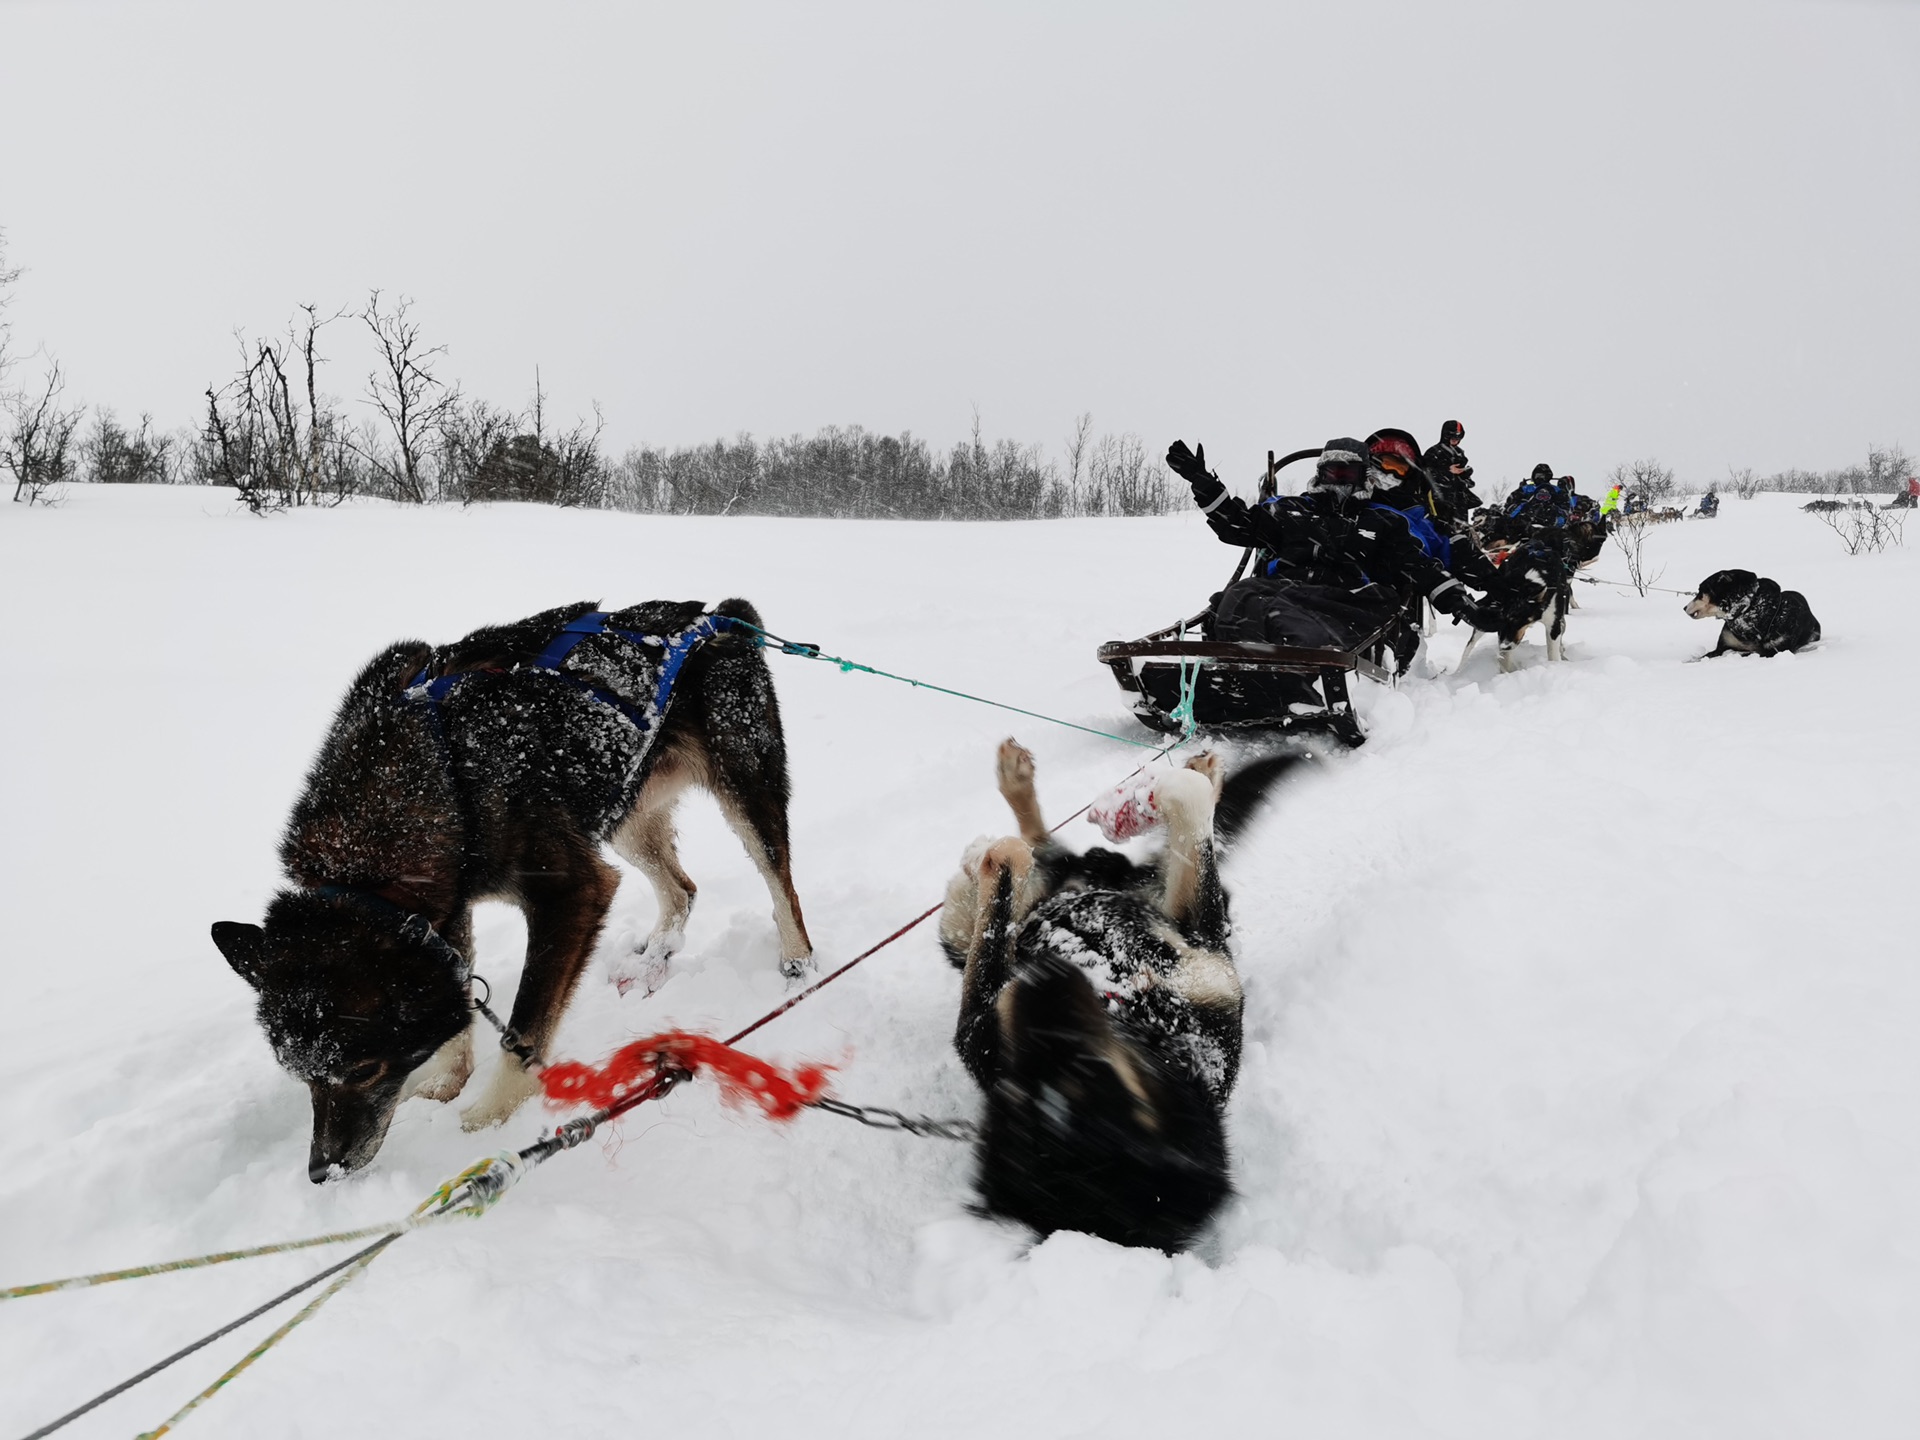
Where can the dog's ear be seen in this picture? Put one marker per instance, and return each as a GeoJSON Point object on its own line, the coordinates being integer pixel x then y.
{"type": "Point", "coordinates": [245, 947]}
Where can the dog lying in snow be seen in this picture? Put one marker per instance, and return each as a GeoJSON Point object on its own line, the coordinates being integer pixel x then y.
{"type": "Point", "coordinates": [493, 769]}
{"type": "Point", "coordinates": [1761, 618]}
{"type": "Point", "coordinates": [1100, 1011]}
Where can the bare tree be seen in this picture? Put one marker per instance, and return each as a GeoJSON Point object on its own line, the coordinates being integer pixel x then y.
{"type": "Point", "coordinates": [260, 439]}
{"type": "Point", "coordinates": [1743, 482]}
{"type": "Point", "coordinates": [1630, 534]}
{"type": "Point", "coordinates": [1077, 444]}
{"type": "Point", "coordinates": [415, 403]}
{"type": "Point", "coordinates": [7, 277]}
{"type": "Point", "coordinates": [39, 439]}
{"type": "Point", "coordinates": [1647, 478]}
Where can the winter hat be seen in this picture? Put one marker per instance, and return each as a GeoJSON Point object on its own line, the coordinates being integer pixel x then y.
{"type": "Point", "coordinates": [1452, 433]}
{"type": "Point", "coordinates": [1342, 463]}
{"type": "Point", "coordinates": [1543, 472]}
{"type": "Point", "coordinates": [1388, 446]}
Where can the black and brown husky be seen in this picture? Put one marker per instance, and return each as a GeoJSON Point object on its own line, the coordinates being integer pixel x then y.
{"type": "Point", "coordinates": [492, 769]}
{"type": "Point", "coordinates": [1100, 1012]}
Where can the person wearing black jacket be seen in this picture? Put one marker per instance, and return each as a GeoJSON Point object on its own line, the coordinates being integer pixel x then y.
{"type": "Point", "coordinates": [1452, 475]}
{"type": "Point", "coordinates": [1336, 567]}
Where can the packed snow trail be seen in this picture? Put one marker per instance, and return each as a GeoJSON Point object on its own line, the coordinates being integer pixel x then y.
{"type": "Point", "coordinates": [1579, 1093]}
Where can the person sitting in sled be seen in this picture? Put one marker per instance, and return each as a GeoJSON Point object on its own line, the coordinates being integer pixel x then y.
{"type": "Point", "coordinates": [1537, 507]}
{"type": "Point", "coordinates": [1335, 566]}
{"type": "Point", "coordinates": [1452, 476]}
{"type": "Point", "coordinates": [1709, 505]}
{"type": "Point", "coordinates": [1400, 483]}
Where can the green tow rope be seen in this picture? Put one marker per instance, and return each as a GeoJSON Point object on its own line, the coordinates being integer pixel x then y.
{"type": "Point", "coordinates": [813, 652]}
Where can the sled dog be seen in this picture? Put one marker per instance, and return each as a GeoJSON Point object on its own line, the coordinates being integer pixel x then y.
{"type": "Point", "coordinates": [492, 769]}
{"type": "Point", "coordinates": [1100, 1012]}
{"type": "Point", "coordinates": [1527, 584]}
{"type": "Point", "coordinates": [1761, 618]}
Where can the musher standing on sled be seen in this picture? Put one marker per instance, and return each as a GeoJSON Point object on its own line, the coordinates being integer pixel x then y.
{"type": "Point", "coordinates": [1337, 565]}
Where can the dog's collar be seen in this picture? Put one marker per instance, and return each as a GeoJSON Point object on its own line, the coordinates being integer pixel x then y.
{"type": "Point", "coordinates": [413, 924]}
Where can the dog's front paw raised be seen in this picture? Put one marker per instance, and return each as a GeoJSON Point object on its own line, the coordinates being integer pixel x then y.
{"type": "Point", "coordinates": [1014, 766]}
{"type": "Point", "coordinates": [510, 1087]}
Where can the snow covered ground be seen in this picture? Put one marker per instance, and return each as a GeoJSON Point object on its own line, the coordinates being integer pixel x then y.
{"type": "Point", "coordinates": [1581, 1079]}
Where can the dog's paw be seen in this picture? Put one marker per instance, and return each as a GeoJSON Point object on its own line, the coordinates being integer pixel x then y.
{"type": "Point", "coordinates": [799, 967]}
{"type": "Point", "coordinates": [511, 1087]}
{"type": "Point", "coordinates": [445, 1073]}
{"type": "Point", "coordinates": [646, 966]}
{"type": "Point", "coordinates": [1209, 764]}
{"type": "Point", "coordinates": [1014, 767]}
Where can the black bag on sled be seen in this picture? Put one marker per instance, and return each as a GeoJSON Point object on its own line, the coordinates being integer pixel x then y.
{"type": "Point", "coordinates": [1283, 612]}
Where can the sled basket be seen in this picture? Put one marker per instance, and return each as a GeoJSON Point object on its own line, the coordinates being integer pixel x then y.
{"type": "Point", "coordinates": [1247, 685]}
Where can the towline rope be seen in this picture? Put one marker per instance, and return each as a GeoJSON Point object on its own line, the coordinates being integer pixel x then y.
{"type": "Point", "coordinates": [807, 651]}
{"type": "Point", "coordinates": [1629, 585]}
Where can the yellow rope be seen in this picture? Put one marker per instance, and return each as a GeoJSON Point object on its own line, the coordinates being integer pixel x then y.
{"type": "Point", "coordinates": [345, 1278]}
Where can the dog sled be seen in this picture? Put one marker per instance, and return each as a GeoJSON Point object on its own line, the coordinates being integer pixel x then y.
{"type": "Point", "coordinates": [1246, 686]}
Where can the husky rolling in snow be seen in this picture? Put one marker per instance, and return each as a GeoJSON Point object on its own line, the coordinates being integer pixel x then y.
{"type": "Point", "coordinates": [1100, 1012]}
{"type": "Point", "coordinates": [492, 769]}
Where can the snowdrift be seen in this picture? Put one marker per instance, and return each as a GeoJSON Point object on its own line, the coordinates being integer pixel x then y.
{"type": "Point", "coordinates": [1580, 1086]}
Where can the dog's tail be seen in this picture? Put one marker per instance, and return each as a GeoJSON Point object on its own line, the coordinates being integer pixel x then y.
{"type": "Point", "coordinates": [738, 609]}
{"type": "Point", "coordinates": [1245, 791]}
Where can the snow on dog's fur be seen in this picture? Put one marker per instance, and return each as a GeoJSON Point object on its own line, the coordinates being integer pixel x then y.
{"type": "Point", "coordinates": [506, 791]}
{"type": "Point", "coordinates": [1100, 1011]}
{"type": "Point", "coordinates": [1761, 618]}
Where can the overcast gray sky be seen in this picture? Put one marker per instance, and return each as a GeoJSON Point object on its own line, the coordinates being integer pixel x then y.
{"type": "Point", "coordinates": [1594, 231]}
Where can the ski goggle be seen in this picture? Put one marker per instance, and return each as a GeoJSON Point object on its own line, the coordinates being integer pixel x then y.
{"type": "Point", "coordinates": [1340, 472]}
{"type": "Point", "coordinates": [1392, 464]}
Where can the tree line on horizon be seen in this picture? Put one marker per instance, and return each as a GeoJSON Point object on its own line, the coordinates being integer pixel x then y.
{"type": "Point", "coordinates": [269, 432]}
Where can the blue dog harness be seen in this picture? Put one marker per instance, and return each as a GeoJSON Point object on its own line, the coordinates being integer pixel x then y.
{"type": "Point", "coordinates": [675, 649]}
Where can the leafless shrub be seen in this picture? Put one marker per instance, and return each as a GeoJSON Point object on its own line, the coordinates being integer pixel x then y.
{"type": "Point", "coordinates": [532, 463]}
{"type": "Point", "coordinates": [111, 454]}
{"type": "Point", "coordinates": [1864, 528]}
{"type": "Point", "coordinates": [260, 438]}
{"type": "Point", "coordinates": [1743, 482]}
{"type": "Point", "coordinates": [39, 447]}
{"type": "Point", "coordinates": [1630, 534]}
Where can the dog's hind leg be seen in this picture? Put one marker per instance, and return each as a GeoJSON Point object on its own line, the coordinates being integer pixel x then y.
{"type": "Point", "coordinates": [645, 840]}
{"type": "Point", "coordinates": [1014, 767]}
{"type": "Point", "coordinates": [564, 891]}
{"type": "Point", "coordinates": [763, 834]}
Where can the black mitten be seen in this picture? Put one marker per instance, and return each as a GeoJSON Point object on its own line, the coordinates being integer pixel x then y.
{"type": "Point", "coordinates": [1191, 467]}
